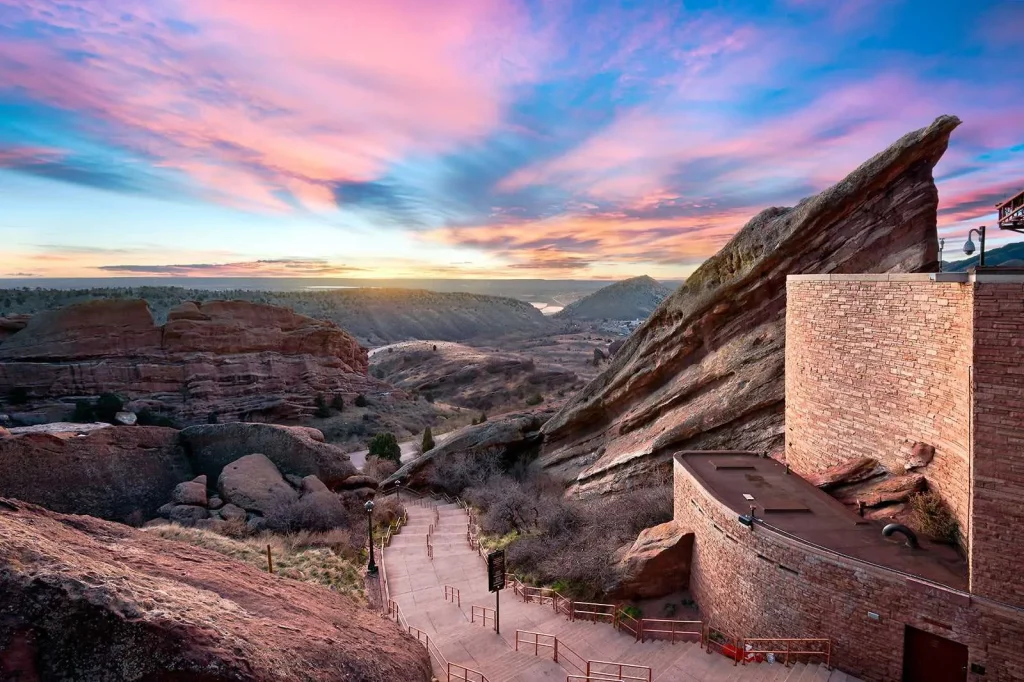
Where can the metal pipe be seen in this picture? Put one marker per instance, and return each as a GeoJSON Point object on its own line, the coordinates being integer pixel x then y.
{"type": "Point", "coordinates": [907, 533]}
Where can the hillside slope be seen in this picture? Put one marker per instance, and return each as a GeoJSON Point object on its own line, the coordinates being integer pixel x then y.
{"type": "Point", "coordinates": [630, 299]}
{"type": "Point", "coordinates": [1010, 255]}
{"type": "Point", "coordinates": [373, 316]}
{"type": "Point", "coordinates": [706, 370]}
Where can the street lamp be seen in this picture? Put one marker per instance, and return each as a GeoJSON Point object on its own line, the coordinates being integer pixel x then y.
{"type": "Point", "coordinates": [371, 568]}
{"type": "Point", "coordinates": [969, 245]}
{"type": "Point", "coordinates": [398, 489]}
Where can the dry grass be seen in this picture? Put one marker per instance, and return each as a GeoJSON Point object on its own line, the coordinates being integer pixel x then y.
{"type": "Point", "coordinates": [330, 559]}
{"type": "Point", "coordinates": [930, 515]}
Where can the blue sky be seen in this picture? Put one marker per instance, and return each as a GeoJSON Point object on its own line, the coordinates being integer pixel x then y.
{"type": "Point", "coordinates": [472, 138]}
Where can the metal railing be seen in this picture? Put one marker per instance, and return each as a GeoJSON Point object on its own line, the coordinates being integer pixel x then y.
{"type": "Point", "coordinates": [453, 595]}
{"type": "Point", "coordinates": [594, 611]}
{"type": "Point", "coordinates": [565, 656]}
{"type": "Point", "coordinates": [760, 647]}
{"type": "Point", "coordinates": [452, 671]}
{"type": "Point", "coordinates": [721, 641]}
{"type": "Point", "coordinates": [620, 671]}
{"type": "Point", "coordinates": [682, 630]}
{"type": "Point", "coordinates": [624, 621]}
{"type": "Point", "coordinates": [482, 613]}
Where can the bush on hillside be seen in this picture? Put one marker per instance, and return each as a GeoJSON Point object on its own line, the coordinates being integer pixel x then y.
{"type": "Point", "coordinates": [932, 516]}
{"type": "Point", "coordinates": [107, 407]}
{"type": "Point", "coordinates": [385, 446]}
{"type": "Point", "coordinates": [84, 413]}
{"type": "Point", "coordinates": [315, 513]}
{"type": "Point", "coordinates": [17, 395]}
{"type": "Point", "coordinates": [535, 399]}
{"type": "Point", "coordinates": [378, 468]}
{"type": "Point", "coordinates": [322, 411]}
{"type": "Point", "coordinates": [360, 401]}
{"type": "Point", "coordinates": [338, 402]}
{"type": "Point", "coordinates": [428, 441]}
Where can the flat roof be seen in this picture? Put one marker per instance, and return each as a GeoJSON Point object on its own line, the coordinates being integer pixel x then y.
{"type": "Point", "coordinates": [791, 504]}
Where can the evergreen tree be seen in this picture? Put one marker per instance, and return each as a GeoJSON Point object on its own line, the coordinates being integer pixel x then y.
{"type": "Point", "coordinates": [428, 440]}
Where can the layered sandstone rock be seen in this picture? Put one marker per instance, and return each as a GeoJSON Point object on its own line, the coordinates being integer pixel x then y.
{"type": "Point", "coordinates": [85, 599]}
{"type": "Point", "coordinates": [255, 484]}
{"type": "Point", "coordinates": [706, 370]}
{"type": "Point", "coordinates": [114, 473]}
{"type": "Point", "coordinates": [235, 359]}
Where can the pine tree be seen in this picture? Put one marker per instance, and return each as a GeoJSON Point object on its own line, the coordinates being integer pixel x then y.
{"type": "Point", "coordinates": [428, 440]}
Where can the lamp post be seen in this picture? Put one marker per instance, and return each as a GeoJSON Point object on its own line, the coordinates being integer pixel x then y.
{"type": "Point", "coordinates": [398, 489]}
{"type": "Point", "coordinates": [371, 568]}
{"type": "Point", "coordinates": [969, 245]}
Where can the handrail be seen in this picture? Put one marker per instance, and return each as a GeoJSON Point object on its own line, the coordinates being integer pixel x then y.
{"type": "Point", "coordinates": [803, 644]}
{"type": "Point", "coordinates": [595, 614]}
{"type": "Point", "coordinates": [721, 641]}
{"type": "Point", "coordinates": [624, 621]}
{"type": "Point", "coordinates": [484, 612]}
{"type": "Point", "coordinates": [453, 595]}
{"type": "Point", "coordinates": [623, 671]}
{"type": "Point", "coordinates": [649, 626]}
{"type": "Point", "coordinates": [559, 649]}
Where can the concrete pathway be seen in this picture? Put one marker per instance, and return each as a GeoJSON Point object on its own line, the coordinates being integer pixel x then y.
{"type": "Point", "coordinates": [408, 449]}
{"type": "Point", "coordinates": [417, 584]}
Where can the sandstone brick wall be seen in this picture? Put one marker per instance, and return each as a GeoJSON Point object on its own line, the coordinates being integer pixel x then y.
{"type": "Point", "coordinates": [875, 363]}
{"type": "Point", "coordinates": [997, 531]}
{"type": "Point", "coordinates": [757, 583]}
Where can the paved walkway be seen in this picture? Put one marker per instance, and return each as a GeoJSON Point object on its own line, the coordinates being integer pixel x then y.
{"type": "Point", "coordinates": [417, 583]}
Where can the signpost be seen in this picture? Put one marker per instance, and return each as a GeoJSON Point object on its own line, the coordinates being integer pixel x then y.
{"type": "Point", "coordinates": [496, 582]}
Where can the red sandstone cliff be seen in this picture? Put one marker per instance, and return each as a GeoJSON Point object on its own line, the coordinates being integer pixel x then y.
{"type": "Point", "coordinates": [706, 370]}
{"type": "Point", "coordinates": [238, 359]}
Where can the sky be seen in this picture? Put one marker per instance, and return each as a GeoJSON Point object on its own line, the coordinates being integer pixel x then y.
{"type": "Point", "coordinates": [551, 139]}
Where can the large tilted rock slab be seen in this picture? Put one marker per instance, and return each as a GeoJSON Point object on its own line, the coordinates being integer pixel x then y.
{"type": "Point", "coordinates": [294, 450]}
{"type": "Point", "coordinates": [656, 564]}
{"type": "Point", "coordinates": [85, 599]}
{"type": "Point", "coordinates": [510, 434]}
{"type": "Point", "coordinates": [236, 359]}
{"type": "Point", "coordinates": [706, 370]}
{"type": "Point", "coordinates": [255, 484]}
{"type": "Point", "coordinates": [111, 472]}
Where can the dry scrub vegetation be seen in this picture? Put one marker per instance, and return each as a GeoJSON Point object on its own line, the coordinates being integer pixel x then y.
{"type": "Point", "coordinates": [550, 539]}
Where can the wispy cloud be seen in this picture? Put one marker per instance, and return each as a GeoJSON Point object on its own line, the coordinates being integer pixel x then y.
{"type": "Point", "coordinates": [260, 268]}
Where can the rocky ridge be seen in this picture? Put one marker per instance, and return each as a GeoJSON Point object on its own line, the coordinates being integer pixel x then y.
{"type": "Point", "coordinates": [705, 371]}
{"type": "Point", "coordinates": [86, 599]}
{"type": "Point", "coordinates": [232, 359]}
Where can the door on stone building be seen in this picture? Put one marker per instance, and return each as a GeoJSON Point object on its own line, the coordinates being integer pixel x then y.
{"type": "Point", "coordinates": [930, 658]}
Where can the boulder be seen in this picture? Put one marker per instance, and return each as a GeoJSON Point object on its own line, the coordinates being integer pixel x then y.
{"type": "Point", "coordinates": [190, 492]}
{"type": "Point", "coordinates": [312, 484]}
{"type": "Point", "coordinates": [109, 472]}
{"type": "Point", "coordinates": [126, 418]}
{"type": "Point", "coordinates": [187, 514]}
{"type": "Point", "coordinates": [706, 370]}
{"type": "Point", "coordinates": [655, 565]}
{"type": "Point", "coordinates": [84, 599]}
{"type": "Point", "coordinates": [294, 450]}
{"type": "Point", "coordinates": [255, 484]}
{"type": "Point", "coordinates": [358, 481]}
{"type": "Point", "coordinates": [847, 473]}
{"type": "Point", "coordinates": [214, 503]}
{"type": "Point", "coordinates": [510, 433]}
{"type": "Point", "coordinates": [921, 455]}
{"type": "Point", "coordinates": [361, 494]}
{"type": "Point", "coordinates": [4, 432]}
{"type": "Point", "coordinates": [231, 512]}
{"type": "Point", "coordinates": [880, 491]}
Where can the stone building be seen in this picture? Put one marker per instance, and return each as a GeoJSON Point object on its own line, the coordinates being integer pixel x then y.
{"type": "Point", "coordinates": [876, 364]}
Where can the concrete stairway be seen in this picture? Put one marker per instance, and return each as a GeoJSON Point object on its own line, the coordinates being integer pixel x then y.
{"type": "Point", "coordinates": [417, 583]}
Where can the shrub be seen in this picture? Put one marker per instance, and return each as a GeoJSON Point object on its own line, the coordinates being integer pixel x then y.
{"type": "Point", "coordinates": [360, 400]}
{"type": "Point", "coordinates": [535, 399]}
{"type": "Point", "coordinates": [317, 512]}
{"type": "Point", "coordinates": [322, 411]}
{"type": "Point", "coordinates": [483, 417]}
{"type": "Point", "coordinates": [385, 446]}
{"type": "Point", "coordinates": [85, 413]}
{"type": "Point", "coordinates": [386, 511]}
{"type": "Point", "coordinates": [338, 402]}
{"type": "Point", "coordinates": [428, 441]}
{"type": "Point", "coordinates": [378, 468]}
{"type": "Point", "coordinates": [107, 407]}
{"type": "Point", "coordinates": [462, 470]}
{"type": "Point", "coordinates": [932, 516]}
{"type": "Point", "coordinates": [17, 395]}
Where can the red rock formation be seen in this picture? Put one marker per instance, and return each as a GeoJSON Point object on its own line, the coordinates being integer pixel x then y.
{"type": "Point", "coordinates": [706, 370]}
{"type": "Point", "coordinates": [238, 359]}
{"type": "Point", "coordinates": [656, 564]}
{"type": "Point", "coordinates": [85, 599]}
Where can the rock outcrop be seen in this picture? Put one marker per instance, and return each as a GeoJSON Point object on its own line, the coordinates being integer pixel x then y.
{"type": "Point", "coordinates": [706, 370]}
{"type": "Point", "coordinates": [113, 472]}
{"type": "Point", "coordinates": [512, 434]}
{"type": "Point", "coordinates": [300, 451]}
{"type": "Point", "coordinates": [85, 599]}
{"type": "Point", "coordinates": [255, 484]}
{"type": "Point", "coordinates": [656, 564]}
{"type": "Point", "coordinates": [234, 359]}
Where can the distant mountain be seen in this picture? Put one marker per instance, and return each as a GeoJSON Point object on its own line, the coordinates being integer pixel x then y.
{"type": "Point", "coordinates": [1011, 255]}
{"type": "Point", "coordinates": [629, 299]}
{"type": "Point", "coordinates": [374, 316]}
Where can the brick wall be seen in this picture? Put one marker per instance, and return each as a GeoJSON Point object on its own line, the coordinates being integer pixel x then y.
{"type": "Point", "coordinates": [997, 531]}
{"type": "Point", "coordinates": [875, 363]}
{"type": "Point", "coordinates": [756, 583]}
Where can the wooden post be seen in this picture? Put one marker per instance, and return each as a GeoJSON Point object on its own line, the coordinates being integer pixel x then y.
{"type": "Point", "coordinates": [270, 561]}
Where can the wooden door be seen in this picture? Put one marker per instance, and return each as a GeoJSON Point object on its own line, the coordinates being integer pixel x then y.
{"type": "Point", "coordinates": [930, 658]}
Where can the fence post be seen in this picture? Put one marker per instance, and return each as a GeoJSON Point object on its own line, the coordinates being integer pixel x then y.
{"type": "Point", "coordinates": [270, 561]}
{"type": "Point", "coordinates": [556, 650]}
